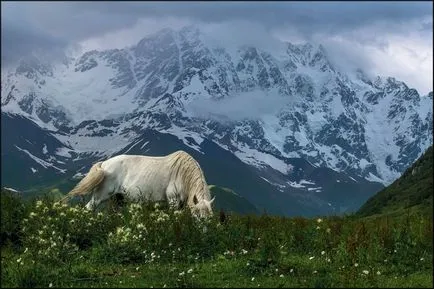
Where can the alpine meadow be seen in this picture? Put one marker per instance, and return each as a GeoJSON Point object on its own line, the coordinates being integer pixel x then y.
{"type": "Point", "coordinates": [216, 144]}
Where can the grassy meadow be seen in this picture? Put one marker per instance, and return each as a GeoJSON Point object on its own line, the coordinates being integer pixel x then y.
{"type": "Point", "coordinates": [46, 244]}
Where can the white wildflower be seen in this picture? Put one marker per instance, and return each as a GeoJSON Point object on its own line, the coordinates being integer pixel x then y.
{"type": "Point", "coordinates": [322, 252]}
{"type": "Point", "coordinates": [281, 276]}
{"type": "Point", "coordinates": [318, 227]}
{"type": "Point", "coordinates": [27, 249]}
{"type": "Point", "coordinates": [378, 273]}
{"type": "Point", "coordinates": [19, 260]}
{"type": "Point", "coordinates": [292, 270]}
{"type": "Point", "coordinates": [310, 258]}
{"type": "Point", "coordinates": [137, 268]}
{"type": "Point", "coordinates": [422, 259]}
{"type": "Point", "coordinates": [356, 264]}
{"type": "Point", "coordinates": [366, 272]}
{"type": "Point", "coordinates": [319, 220]}
{"type": "Point", "coordinates": [244, 251]}
{"type": "Point", "coordinates": [253, 279]}
{"type": "Point", "coordinates": [182, 273]}
{"type": "Point", "coordinates": [50, 285]}
{"type": "Point", "coordinates": [314, 272]}
{"type": "Point", "coordinates": [189, 271]}
{"type": "Point", "coordinates": [328, 230]}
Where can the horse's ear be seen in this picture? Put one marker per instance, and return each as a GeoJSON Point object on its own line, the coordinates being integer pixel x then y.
{"type": "Point", "coordinates": [195, 201]}
{"type": "Point", "coordinates": [212, 200]}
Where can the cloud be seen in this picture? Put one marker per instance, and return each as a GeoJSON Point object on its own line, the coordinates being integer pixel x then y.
{"type": "Point", "coordinates": [380, 37]}
{"type": "Point", "coordinates": [19, 39]}
{"type": "Point", "coordinates": [131, 36]}
{"type": "Point", "coordinates": [234, 108]}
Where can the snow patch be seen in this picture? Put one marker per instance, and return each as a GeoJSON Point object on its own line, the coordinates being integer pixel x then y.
{"type": "Point", "coordinates": [43, 163]}
{"type": "Point", "coordinates": [64, 152]}
{"type": "Point", "coordinates": [305, 182]}
{"type": "Point", "coordinates": [78, 176]}
{"type": "Point", "coordinates": [261, 160]}
{"type": "Point", "coordinates": [295, 184]}
{"type": "Point", "coordinates": [183, 134]}
{"type": "Point", "coordinates": [144, 144]}
{"type": "Point", "coordinates": [10, 189]}
{"type": "Point", "coordinates": [281, 187]}
{"type": "Point", "coordinates": [363, 163]}
{"type": "Point", "coordinates": [44, 149]}
{"type": "Point", "coordinates": [374, 178]}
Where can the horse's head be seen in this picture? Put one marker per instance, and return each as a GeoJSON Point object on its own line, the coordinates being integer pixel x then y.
{"type": "Point", "coordinates": [202, 208]}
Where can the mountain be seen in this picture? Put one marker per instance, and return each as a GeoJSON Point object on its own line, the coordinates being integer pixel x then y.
{"type": "Point", "coordinates": [229, 201]}
{"type": "Point", "coordinates": [312, 133]}
{"type": "Point", "coordinates": [413, 190]}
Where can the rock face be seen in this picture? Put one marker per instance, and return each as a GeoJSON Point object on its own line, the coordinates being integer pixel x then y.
{"type": "Point", "coordinates": [311, 117]}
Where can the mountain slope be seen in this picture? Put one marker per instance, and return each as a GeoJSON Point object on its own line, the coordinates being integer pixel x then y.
{"type": "Point", "coordinates": [229, 201]}
{"type": "Point", "coordinates": [413, 189]}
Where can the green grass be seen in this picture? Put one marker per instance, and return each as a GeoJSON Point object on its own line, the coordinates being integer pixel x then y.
{"type": "Point", "coordinates": [413, 190]}
{"type": "Point", "coordinates": [230, 201]}
{"type": "Point", "coordinates": [138, 245]}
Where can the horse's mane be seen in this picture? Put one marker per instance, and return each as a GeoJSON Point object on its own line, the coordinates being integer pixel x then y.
{"type": "Point", "coordinates": [184, 166]}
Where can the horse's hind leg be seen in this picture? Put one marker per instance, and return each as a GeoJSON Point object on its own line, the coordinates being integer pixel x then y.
{"type": "Point", "coordinates": [100, 195]}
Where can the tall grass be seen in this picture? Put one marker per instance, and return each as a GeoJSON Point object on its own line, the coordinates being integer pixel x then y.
{"type": "Point", "coordinates": [44, 242]}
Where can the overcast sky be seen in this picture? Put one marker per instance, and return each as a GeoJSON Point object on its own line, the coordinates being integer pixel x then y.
{"type": "Point", "coordinates": [386, 38]}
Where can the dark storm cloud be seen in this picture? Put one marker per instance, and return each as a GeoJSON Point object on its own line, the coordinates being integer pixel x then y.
{"type": "Point", "coordinates": [75, 21]}
{"type": "Point", "coordinates": [351, 31]}
{"type": "Point", "coordinates": [332, 16]}
{"type": "Point", "coordinates": [17, 42]}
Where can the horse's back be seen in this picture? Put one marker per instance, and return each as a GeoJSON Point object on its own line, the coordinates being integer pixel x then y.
{"type": "Point", "coordinates": [136, 173]}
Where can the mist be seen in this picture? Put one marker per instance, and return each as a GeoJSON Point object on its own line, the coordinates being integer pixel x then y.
{"type": "Point", "coordinates": [246, 105]}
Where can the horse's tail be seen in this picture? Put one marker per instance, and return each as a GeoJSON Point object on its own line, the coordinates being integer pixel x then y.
{"type": "Point", "coordinates": [93, 178]}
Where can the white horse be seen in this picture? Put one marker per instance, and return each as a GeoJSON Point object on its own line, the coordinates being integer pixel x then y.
{"type": "Point", "coordinates": [176, 178]}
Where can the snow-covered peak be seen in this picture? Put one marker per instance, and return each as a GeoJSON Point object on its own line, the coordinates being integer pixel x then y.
{"type": "Point", "coordinates": [288, 103]}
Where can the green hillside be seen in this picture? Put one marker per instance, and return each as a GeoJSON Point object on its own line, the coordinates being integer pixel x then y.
{"type": "Point", "coordinates": [230, 201]}
{"type": "Point", "coordinates": [413, 191]}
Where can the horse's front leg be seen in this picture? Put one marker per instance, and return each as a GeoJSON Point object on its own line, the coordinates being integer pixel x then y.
{"type": "Point", "coordinates": [172, 196]}
{"type": "Point", "coordinates": [174, 203]}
